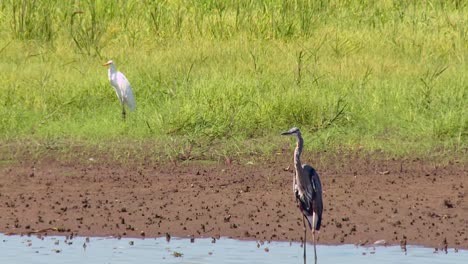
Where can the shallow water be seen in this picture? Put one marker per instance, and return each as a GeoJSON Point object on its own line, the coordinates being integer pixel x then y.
{"type": "Point", "coordinates": [56, 249]}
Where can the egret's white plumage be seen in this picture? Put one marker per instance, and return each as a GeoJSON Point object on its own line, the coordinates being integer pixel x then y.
{"type": "Point", "coordinates": [122, 87]}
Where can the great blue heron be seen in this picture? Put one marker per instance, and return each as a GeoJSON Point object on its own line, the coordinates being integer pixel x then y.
{"type": "Point", "coordinates": [307, 189]}
{"type": "Point", "coordinates": [122, 88]}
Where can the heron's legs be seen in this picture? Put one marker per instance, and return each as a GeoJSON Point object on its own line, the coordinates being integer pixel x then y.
{"type": "Point", "coordinates": [315, 250]}
{"type": "Point", "coordinates": [313, 236]}
{"type": "Point", "coordinates": [305, 238]}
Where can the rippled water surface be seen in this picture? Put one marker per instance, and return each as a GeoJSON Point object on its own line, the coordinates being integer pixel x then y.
{"type": "Point", "coordinates": [56, 249]}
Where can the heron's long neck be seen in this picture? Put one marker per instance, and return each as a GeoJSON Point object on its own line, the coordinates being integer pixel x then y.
{"type": "Point", "coordinates": [297, 153]}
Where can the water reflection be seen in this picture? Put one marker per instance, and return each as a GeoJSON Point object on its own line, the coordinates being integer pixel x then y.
{"type": "Point", "coordinates": [56, 249]}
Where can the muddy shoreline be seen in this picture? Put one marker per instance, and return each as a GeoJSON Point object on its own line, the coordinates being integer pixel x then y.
{"type": "Point", "coordinates": [365, 200]}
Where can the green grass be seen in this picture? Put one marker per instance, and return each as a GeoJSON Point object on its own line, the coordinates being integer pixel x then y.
{"type": "Point", "coordinates": [222, 78]}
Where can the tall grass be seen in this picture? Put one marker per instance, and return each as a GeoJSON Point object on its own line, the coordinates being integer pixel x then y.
{"type": "Point", "coordinates": [372, 75]}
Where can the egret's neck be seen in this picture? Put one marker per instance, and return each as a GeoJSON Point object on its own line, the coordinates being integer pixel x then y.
{"type": "Point", "coordinates": [297, 153]}
{"type": "Point", "coordinates": [112, 69]}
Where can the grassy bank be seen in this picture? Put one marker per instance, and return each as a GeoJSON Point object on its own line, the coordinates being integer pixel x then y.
{"type": "Point", "coordinates": [229, 76]}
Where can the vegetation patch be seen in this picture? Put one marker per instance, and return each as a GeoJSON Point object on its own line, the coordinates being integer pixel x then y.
{"type": "Point", "coordinates": [227, 77]}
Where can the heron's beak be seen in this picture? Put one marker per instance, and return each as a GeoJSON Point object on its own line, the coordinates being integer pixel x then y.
{"type": "Point", "coordinates": [106, 64]}
{"type": "Point", "coordinates": [286, 133]}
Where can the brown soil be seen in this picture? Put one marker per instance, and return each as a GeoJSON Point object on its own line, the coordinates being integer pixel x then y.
{"type": "Point", "coordinates": [365, 200]}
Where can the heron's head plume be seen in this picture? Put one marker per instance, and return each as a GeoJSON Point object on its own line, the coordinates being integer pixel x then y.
{"type": "Point", "coordinates": [292, 132]}
{"type": "Point", "coordinates": [108, 63]}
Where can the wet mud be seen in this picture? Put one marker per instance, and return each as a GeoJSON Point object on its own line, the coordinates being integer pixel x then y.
{"type": "Point", "coordinates": [396, 202]}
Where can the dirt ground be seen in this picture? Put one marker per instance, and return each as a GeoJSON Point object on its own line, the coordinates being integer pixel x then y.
{"type": "Point", "coordinates": [365, 199]}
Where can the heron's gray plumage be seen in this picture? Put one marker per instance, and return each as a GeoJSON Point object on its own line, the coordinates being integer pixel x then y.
{"type": "Point", "coordinates": [307, 187]}
{"type": "Point", "coordinates": [313, 204]}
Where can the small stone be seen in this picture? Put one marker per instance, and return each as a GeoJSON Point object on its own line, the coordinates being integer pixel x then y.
{"type": "Point", "coordinates": [380, 242]}
{"type": "Point", "coordinates": [177, 254]}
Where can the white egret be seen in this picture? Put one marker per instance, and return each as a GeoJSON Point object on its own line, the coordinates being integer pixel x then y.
{"type": "Point", "coordinates": [122, 87]}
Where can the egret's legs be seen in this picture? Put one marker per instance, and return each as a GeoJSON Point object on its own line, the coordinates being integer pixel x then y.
{"type": "Point", "coordinates": [123, 112]}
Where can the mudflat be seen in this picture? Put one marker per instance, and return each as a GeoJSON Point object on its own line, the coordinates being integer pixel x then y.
{"type": "Point", "coordinates": [366, 199]}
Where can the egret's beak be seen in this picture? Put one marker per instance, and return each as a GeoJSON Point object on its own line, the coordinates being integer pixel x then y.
{"type": "Point", "coordinates": [286, 133]}
{"type": "Point", "coordinates": [107, 64]}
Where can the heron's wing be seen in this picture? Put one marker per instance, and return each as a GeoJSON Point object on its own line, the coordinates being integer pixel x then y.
{"type": "Point", "coordinates": [306, 189]}
{"type": "Point", "coordinates": [304, 193]}
{"type": "Point", "coordinates": [126, 90]}
{"type": "Point", "coordinates": [316, 201]}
